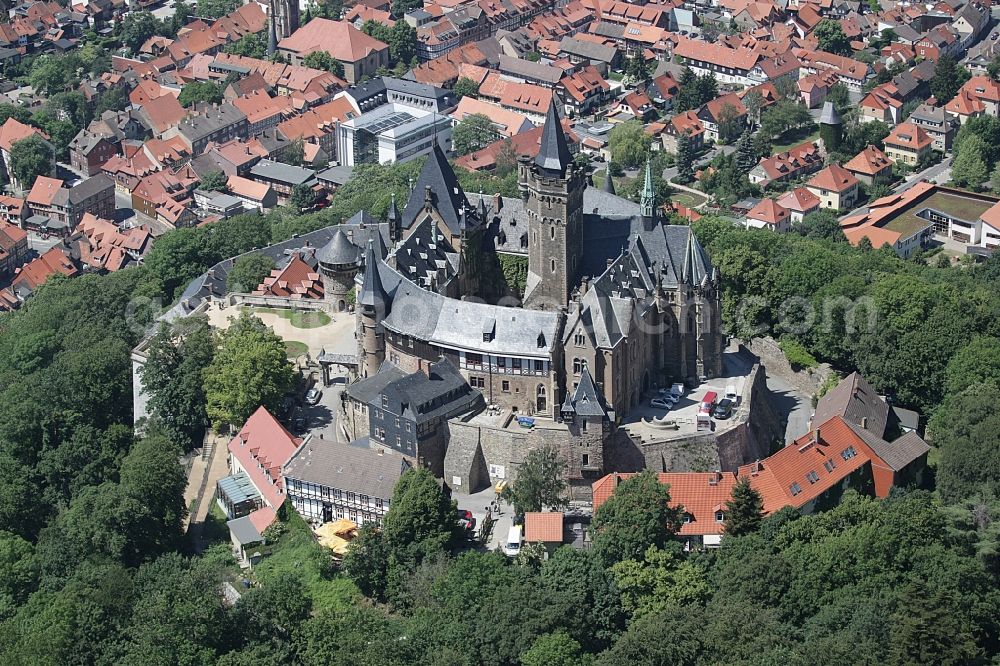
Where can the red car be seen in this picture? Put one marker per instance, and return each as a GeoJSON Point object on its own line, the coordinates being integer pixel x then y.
{"type": "Point", "coordinates": [466, 520]}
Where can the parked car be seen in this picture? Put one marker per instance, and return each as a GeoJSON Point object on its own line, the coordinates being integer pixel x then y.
{"type": "Point", "coordinates": [676, 393]}
{"type": "Point", "coordinates": [660, 403]}
{"type": "Point", "coordinates": [313, 396]}
{"type": "Point", "coordinates": [466, 520]}
{"type": "Point", "coordinates": [724, 409]}
{"type": "Point", "coordinates": [514, 540]}
{"type": "Point", "coordinates": [299, 424]}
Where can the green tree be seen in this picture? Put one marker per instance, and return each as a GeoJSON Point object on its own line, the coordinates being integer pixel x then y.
{"type": "Point", "coordinates": [753, 102]}
{"type": "Point", "coordinates": [137, 27]}
{"type": "Point", "coordinates": [200, 91]}
{"type": "Point", "coordinates": [19, 570]}
{"type": "Point", "coordinates": [331, 9]}
{"type": "Point", "coordinates": [215, 181]}
{"type": "Point", "coordinates": [216, 8]}
{"type": "Point", "coordinates": [401, 7]}
{"type": "Point", "coordinates": [948, 78]}
{"type": "Point", "coordinates": [978, 362]}
{"type": "Point", "coordinates": [51, 74]}
{"type": "Point", "coordinates": [303, 197]}
{"type": "Point", "coordinates": [172, 377]}
{"type": "Point", "coordinates": [832, 38]}
{"type": "Point", "coordinates": [472, 133]}
{"type": "Point", "coordinates": [402, 41]}
{"type": "Point", "coordinates": [466, 87]}
{"type": "Point", "coordinates": [30, 158]}
{"type": "Point", "coordinates": [969, 168]}
{"type": "Point", "coordinates": [745, 510]}
{"type": "Point", "coordinates": [251, 45]}
{"type": "Point", "coordinates": [840, 97]}
{"type": "Point", "coordinates": [324, 61]}
{"type": "Point", "coordinates": [687, 94]}
{"type": "Point", "coordinates": [969, 458]}
{"type": "Point", "coordinates": [249, 271]}
{"type": "Point", "coordinates": [685, 159]}
{"type": "Point", "coordinates": [250, 369]}
{"type": "Point", "coordinates": [746, 156]}
{"type": "Point", "coordinates": [629, 144]}
{"type": "Point", "coordinates": [637, 70]}
{"type": "Point", "coordinates": [927, 630]}
{"type": "Point", "coordinates": [295, 153]}
{"type": "Point", "coordinates": [707, 89]}
{"type": "Point", "coordinates": [638, 515]}
{"type": "Point", "coordinates": [539, 483]}
{"type": "Point", "coordinates": [556, 649]}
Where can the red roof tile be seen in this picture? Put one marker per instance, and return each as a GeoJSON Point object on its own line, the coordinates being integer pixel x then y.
{"type": "Point", "coordinates": [544, 527]}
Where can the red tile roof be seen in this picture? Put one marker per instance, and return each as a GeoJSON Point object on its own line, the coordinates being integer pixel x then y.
{"type": "Point", "coordinates": [44, 191]}
{"type": "Point", "coordinates": [13, 131]}
{"type": "Point", "coordinates": [909, 137]}
{"type": "Point", "coordinates": [297, 280]}
{"type": "Point", "coordinates": [340, 39]}
{"type": "Point", "coordinates": [261, 448]}
{"type": "Point", "coordinates": [769, 212]}
{"type": "Point", "coordinates": [799, 200]}
{"type": "Point", "coordinates": [34, 273]}
{"type": "Point", "coordinates": [834, 178]}
{"type": "Point", "coordinates": [869, 161]}
{"type": "Point", "coordinates": [544, 527]}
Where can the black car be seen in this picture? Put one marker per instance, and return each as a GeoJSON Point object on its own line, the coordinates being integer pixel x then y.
{"type": "Point", "coordinates": [724, 409]}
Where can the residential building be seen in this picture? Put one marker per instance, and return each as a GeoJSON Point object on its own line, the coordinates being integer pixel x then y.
{"type": "Point", "coordinates": [770, 215]}
{"type": "Point", "coordinates": [67, 205]}
{"type": "Point", "coordinates": [11, 132]}
{"type": "Point", "coordinates": [257, 455]}
{"type": "Point", "coordinates": [724, 118]}
{"type": "Point", "coordinates": [702, 497]}
{"type": "Point", "coordinates": [727, 65]}
{"type": "Point", "coordinates": [799, 202]}
{"type": "Point", "coordinates": [326, 480]}
{"type": "Point", "coordinates": [871, 166]}
{"type": "Point", "coordinates": [683, 123]}
{"type": "Point", "coordinates": [544, 529]}
{"type": "Point", "coordinates": [282, 178]}
{"type": "Point", "coordinates": [360, 54]}
{"type": "Point", "coordinates": [882, 103]}
{"type": "Point", "coordinates": [216, 123]}
{"type": "Point", "coordinates": [506, 124]}
{"type": "Point", "coordinates": [583, 91]}
{"type": "Point", "coordinates": [88, 152]}
{"type": "Point", "coordinates": [99, 245]}
{"type": "Point", "coordinates": [796, 162]}
{"type": "Point", "coordinates": [254, 195]}
{"type": "Point", "coordinates": [908, 144]}
{"type": "Point", "coordinates": [940, 125]}
{"type": "Point", "coordinates": [13, 249]}
{"type": "Point", "coordinates": [298, 278]}
{"type": "Point", "coordinates": [835, 186]}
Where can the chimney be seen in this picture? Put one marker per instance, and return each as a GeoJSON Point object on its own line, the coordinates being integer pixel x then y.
{"type": "Point", "coordinates": [584, 285]}
{"type": "Point", "coordinates": [864, 422]}
{"type": "Point", "coordinates": [815, 436]}
{"type": "Point", "coordinates": [380, 451]}
{"type": "Point", "coordinates": [497, 203]}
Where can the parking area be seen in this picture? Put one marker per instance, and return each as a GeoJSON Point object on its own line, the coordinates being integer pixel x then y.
{"type": "Point", "coordinates": [681, 419]}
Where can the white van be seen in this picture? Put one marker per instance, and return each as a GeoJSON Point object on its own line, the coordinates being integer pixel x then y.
{"type": "Point", "coordinates": [732, 395]}
{"type": "Point", "coordinates": [513, 544]}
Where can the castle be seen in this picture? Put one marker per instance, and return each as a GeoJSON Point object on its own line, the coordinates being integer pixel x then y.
{"type": "Point", "coordinates": [615, 301]}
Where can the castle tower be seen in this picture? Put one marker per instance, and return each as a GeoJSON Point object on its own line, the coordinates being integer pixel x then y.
{"type": "Point", "coordinates": [338, 264]}
{"type": "Point", "coordinates": [584, 414]}
{"type": "Point", "coordinates": [647, 201]}
{"type": "Point", "coordinates": [373, 306]}
{"type": "Point", "coordinates": [552, 188]}
{"type": "Point", "coordinates": [831, 127]}
{"type": "Point", "coordinates": [284, 16]}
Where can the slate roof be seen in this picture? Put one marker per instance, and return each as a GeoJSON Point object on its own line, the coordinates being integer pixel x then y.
{"type": "Point", "coordinates": [553, 154]}
{"type": "Point", "coordinates": [350, 468]}
{"type": "Point", "coordinates": [438, 175]}
{"type": "Point", "coordinates": [855, 400]}
{"type": "Point", "coordinates": [584, 401]}
{"type": "Point", "coordinates": [339, 250]}
{"type": "Point", "coordinates": [420, 398]}
{"type": "Point", "coordinates": [898, 453]}
{"type": "Point", "coordinates": [426, 258]}
{"type": "Point", "coordinates": [367, 389]}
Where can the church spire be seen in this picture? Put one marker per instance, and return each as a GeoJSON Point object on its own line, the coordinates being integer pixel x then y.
{"type": "Point", "coordinates": [553, 154]}
{"type": "Point", "coordinates": [373, 294]}
{"type": "Point", "coordinates": [395, 220]}
{"type": "Point", "coordinates": [272, 35]}
{"type": "Point", "coordinates": [647, 201]}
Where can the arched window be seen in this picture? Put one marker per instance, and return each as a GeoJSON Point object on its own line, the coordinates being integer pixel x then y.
{"type": "Point", "coordinates": [579, 365]}
{"type": "Point", "coordinates": [540, 403]}
{"type": "Point", "coordinates": [552, 232]}
{"type": "Point", "coordinates": [553, 265]}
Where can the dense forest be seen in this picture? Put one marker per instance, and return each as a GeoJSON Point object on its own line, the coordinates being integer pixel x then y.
{"type": "Point", "coordinates": [94, 568]}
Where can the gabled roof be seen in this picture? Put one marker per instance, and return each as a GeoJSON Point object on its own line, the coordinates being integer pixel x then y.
{"type": "Point", "coordinates": [262, 447]}
{"type": "Point", "coordinates": [338, 38]}
{"type": "Point", "coordinates": [584, 401]}
{"type": "Point", "coordinates": [855, 400]}
{"type": "Point", "coordinates": [799, 200]}
{"type": "Point", "coordinates": [909, 136]}
{"type": "Point", "coordinates": [769, 212]}
{"type": "Point", "coordinates": [544, 527]}
{"type": "Point", "coordinates": [869, 161]}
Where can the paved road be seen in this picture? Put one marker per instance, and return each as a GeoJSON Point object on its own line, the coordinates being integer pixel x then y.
{"type": "Point", "coordinates": [790, 405]}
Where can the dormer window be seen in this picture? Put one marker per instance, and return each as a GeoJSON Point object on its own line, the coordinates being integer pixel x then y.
{"type": "Point", "coordinates": [720, 516]}
{"type": "Point", "coordinates": [385, 402]}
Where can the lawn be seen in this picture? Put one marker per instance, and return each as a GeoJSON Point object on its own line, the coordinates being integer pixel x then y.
{"type": "Point", "coordinates": [794, 137]}
{"type": "Point", "coordinates": [688, 199]}
{"type": "Point", "coordinates": [294, 348]}
{"type": "Point", "coordinates": [298, 318]}
{"type": "Point", "coordinates": [296, 551]}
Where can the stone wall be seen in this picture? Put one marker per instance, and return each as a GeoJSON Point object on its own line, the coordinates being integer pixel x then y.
{"type": "Point", "coordinates": [770, 355]}
{"type": "Point", "coordinates": [751, 434]}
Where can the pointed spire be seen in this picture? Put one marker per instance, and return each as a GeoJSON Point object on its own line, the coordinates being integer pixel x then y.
{"type": "Point", "coordinates": [609, 182]}
{"type": "Point", "coordinates": [272, 35]}
{"type": "Point", "coordinates": [647, 201]}
{"type": "Point", "coordinates": [393, 215]}
{"type": "Point", "coordinates": [483, 212]}
{"type": "Point", "coordinates": [686, 274]}
{"type": "Point", "coordinates": [553, 154]}
{"type": "Point", "coordinates": [372, 294]}
{"type": "Point", "coordinates": [829, 116]}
